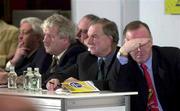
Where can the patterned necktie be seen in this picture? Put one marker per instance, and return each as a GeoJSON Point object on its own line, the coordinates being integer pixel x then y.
{"type": "Point", "coordinates": [101, 65]}
{"type": "Point", "coordinates": [53, 65]}
{"type": "Point", "coordinates": [152, 100]}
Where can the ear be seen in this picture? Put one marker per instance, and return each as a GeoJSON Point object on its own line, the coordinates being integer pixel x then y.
{"type": "Point", "coordinates": [110, 37]}
{"type": "Point", "coordinates": [66, 40]}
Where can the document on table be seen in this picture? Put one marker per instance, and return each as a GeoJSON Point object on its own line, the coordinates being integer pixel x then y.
{"type": "Point", "coordinates": [80, 86]}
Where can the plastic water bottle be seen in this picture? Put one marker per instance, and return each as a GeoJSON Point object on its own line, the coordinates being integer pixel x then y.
{"type": "Point", "coordinates": [36, 80]}
{"type": "Point", "coordinates": [27, 78]}
{"type": "Point", "coordinates": [12, 77]}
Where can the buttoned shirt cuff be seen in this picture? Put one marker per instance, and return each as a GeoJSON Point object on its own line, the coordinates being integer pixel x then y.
{"type": "Point", "coordinates": [122, 59]}
{"type": "Point", "coordinates": [8, 65]}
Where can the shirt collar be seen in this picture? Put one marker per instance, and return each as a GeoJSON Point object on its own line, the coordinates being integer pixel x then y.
{"type": "Point", "coordinates": [107, 59]}
{"type": "Point", "coordinates": [148, 63]}
{"type": "Point", "coordinates": [60, 55]}
{"type": "Point", "coordinates": [31, 53]}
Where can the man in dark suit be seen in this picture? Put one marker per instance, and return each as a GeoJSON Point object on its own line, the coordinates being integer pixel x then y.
{"type": "Point", "coordinates": [102, 43]}
{"type": "Point", "coordinates": [162, 66]}
{"type": "Point", "coordinates": [60, 42]}
{"type": "Point", "coordinates": [30, 51]}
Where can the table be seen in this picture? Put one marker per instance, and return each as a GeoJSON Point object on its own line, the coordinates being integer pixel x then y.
{"type": "Point", "coordinates": [51, 101]}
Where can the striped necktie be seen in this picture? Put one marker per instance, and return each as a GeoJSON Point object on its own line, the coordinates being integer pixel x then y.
{"type": "Point", "coordinates": [53, 65]}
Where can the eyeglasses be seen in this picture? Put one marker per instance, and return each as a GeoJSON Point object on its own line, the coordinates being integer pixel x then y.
{"type": "Point", "coordinates": [26, 32]}
{"type": "Point", "coordinates": [81, 31]}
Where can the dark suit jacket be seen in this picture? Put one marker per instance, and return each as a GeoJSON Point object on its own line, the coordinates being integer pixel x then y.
{"type": "Point", "coordinates": [166, 72]}
{"type": "Point", "coordinates": [68, 59]}
{"type": "Point", "coordinates": [87, 69]}
{"type": "Point", "coordinates": [38, 59]}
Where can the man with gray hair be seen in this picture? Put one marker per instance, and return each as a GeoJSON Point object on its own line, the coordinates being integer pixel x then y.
{"type": "Point", "coordinates": [83, 26]}
{"type": "Point", "coordinates": [60, 42]}
{"type": "Point", "coordinates": [30, 41]}
{"type": "Point", "coordinates": [30, 51]}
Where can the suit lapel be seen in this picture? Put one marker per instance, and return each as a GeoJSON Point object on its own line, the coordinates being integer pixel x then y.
{"type": "Point", "coordinates": [159, 77]}
{"type": "Point", "coordinates": [140, 79]}
{"type": "Point", "coordinates": [93, 71]}
{"type": "Point", "coordinates": [111, 63]}
{"type": "Point", "coordinates": [62, 59]}
{"type": "Point", "coordinates": [158, 71]}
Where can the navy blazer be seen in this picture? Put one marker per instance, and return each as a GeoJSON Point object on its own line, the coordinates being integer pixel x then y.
{"type": "Point", "coordinates": [38, 59]}
{"type": "Point", "coordinates": [68, 59]}
{"type": "Point", "coordinates": [166, 72]}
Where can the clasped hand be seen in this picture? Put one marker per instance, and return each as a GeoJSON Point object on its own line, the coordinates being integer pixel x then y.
{"type": "Point", "coordinates": [21, 52]}
{"type": "Point", "coordinates": [54, 84]}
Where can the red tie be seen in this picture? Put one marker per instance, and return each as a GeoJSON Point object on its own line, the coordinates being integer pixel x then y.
{"type": "Point", "coordinates": [152, 100]}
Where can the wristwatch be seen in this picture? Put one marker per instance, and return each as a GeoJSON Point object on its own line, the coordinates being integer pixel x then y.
{"type": "Point", "coordinates": [122, 52]}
